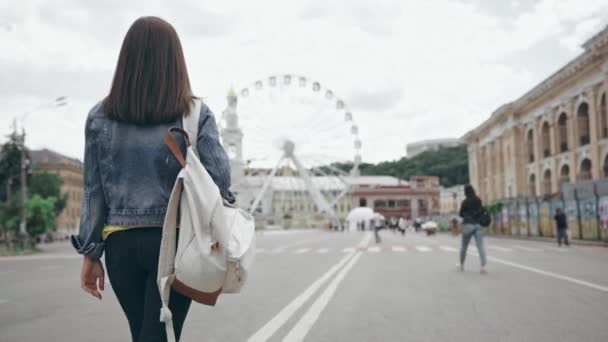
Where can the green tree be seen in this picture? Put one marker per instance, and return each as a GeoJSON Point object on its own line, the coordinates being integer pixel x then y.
{"type": "Point", "coordinates": [40, 214]}
{"type": "Point", "coordinates": [10, 167]}
{"type": "Point", "coordinates": [47, 185]}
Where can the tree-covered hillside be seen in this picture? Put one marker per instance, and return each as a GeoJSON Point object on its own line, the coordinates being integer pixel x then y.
{"type": "Point", "coordinates": [450, 164]}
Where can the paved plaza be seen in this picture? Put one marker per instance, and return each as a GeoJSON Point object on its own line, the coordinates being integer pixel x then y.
{"type": "Point", "coordinates": [329, 286]}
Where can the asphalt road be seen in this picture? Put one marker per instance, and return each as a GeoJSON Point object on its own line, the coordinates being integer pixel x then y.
{"type": "Point", "coordinates": [329, 286]}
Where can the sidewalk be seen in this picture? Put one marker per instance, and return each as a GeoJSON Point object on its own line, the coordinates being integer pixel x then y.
{"type": "Point", "coordinates": [551, 240]}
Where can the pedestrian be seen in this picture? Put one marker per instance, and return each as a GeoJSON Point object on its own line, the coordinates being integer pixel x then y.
{"type": "Point", "coordinates": [378, 225]}
{"type": "Point", "coordinates": [129, 173]}
{"type": "Point", "coordinates": [470, 211]}
{"type": "Point", "coordinates": [402, 224]}
{"type": "Point", "coordinates": [561, 222]}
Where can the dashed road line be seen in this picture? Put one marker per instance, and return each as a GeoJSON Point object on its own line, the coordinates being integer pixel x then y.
{"type": "Point", "coordinates": [348, 250]}
{"type": "Point", "coordinates": [423, 249]}
{"type": "Point", "coordinates": [448, 249]}
{"type": "Point", "coordinates": [302, 250]}
{"type": "Point", "coordinates": [500, 249]}
{"type": "Point", "coordinates": [322, 250]}
{"type": "Point", "coordinates": [399, 249]}
{"type": "Point", "coordinates": [373, 249]}
{"type": "Point", "coordinates": [528, 249]}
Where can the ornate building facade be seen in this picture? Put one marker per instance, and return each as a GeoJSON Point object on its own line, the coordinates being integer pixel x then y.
{"type": "Point", "coordinates": [555, 133]}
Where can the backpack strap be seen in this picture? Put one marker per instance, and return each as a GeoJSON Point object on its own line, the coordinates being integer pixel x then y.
{"type": "Point", "coordinates": [190, 122]}
{"type": "Point", "coordinates": [166, 258]}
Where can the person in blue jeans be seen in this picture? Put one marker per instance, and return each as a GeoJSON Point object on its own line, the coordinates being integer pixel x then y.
{"type": "Point", "coordinates": [469, 211]}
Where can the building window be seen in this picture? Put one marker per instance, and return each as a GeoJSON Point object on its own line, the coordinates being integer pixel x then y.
{"type": "Point", "coordinates": [562, 132]}
{"type": "Point", "coordinates": [547, 182]}
{"type": "Point", "coordinates": [532, 186]}
{"type": "Point", "coordinates": [391, 203]}
{"type": "Point", "coordinates": [606, 167]}
{"type": "Point", "coordinates": [404, 203]}
{"type": "Point", "coordinates": [585, 173]}
{"type": "Point", "coordinates": [564, 175]}
{"type": "Point", "coordinates": [583, 124]}
{"type": "Point", "coordinates": [546, 140]}
{"type": "Point", "coordinates": [363, 202]}
{"type": "Point", "coordinates": [604, 116]}
{"type": "Point", "coordinates": [379, 203]}
{"type": "Point", "coordinates": [530, 143]}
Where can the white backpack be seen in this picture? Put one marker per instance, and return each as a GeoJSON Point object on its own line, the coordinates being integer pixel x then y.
{"type": "Point", "coordinates": [216, 239]}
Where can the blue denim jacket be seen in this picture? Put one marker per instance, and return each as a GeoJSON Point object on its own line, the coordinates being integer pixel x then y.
{"type": "Point", "coordinates": [129, 173]}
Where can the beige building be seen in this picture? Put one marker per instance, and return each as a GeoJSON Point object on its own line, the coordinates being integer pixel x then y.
{"type": "Point", "coordinates": [450, 199]}
{"type": "Point", "coordinates": [69, 171]}
{"type": "Point", "coordinates": [557, 132]}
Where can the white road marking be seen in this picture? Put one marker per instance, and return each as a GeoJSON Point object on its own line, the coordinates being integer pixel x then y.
{"type": "Point", "coordinates": [423, 249]}
{"type": "Point", "coordinates": [277, 250]}
{"type": "Point", "coordinates": [500, 249]}
{"type": "Point", "coordinates": [41, 257]}
{"type": "Point", "coordinates": [49, 267]}
{"type": "Point", "coordinates": [448, 249]}
{"type": "Point", "coordinates": [528, 249]}
{"type": "Point", "coordinates": [302, 250]}
{"type": "Point", "coordinates": [271, 327]}
{"type": "Point", "coordinates": [323, 250]}
{"type": "Point", "coordinates": [373, 249]}
{"type": "Point", "coordinates": [260, 250]}
{"type": "Point", "coordinates": [265, 332]}
{"type": "Point", "coordinates": [348, 250]}
{"type": "Point", "coordinates": [398, 249]}
{"type": "Point", "coordinates": [551, 274]}
{"type": "Point", "coordinates": [301, 329]}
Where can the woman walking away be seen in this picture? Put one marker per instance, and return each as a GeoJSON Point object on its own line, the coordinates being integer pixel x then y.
{"type": "Point", "coordinates": [129, 173]}
{"type": "Point", "coordinates": [470, 211]}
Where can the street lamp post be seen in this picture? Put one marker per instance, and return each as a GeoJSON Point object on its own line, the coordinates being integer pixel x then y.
{"type": "Point", "coordinates": [25, 163]}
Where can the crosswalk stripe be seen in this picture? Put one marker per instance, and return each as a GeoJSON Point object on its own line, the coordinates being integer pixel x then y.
{"type": "Point", "coordinates": [423, 249]}
{"type": "Point", "coordinates": [500, 249]}
{"type": "Point", "coordinates": [374, 249]}
{"type": "Point", "coordinates": [348, 250]}
{"type": "Point", "coordinates": [323, 250]}
{"type": "Point", "coordinates": [448, 249]}
{"type": "Point", "coordinates": [302, 250]}
{"type": "Point", "coordinates": [398, 249]}
{"type": "Point", "coordinates": [528, 249]}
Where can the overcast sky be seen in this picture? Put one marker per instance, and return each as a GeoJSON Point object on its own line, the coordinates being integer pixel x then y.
{"type": "Point", "coordinates": [408, 69]}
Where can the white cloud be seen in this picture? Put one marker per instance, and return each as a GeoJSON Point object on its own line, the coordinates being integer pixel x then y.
{"type": "Point", "coordinates": [409, 70]}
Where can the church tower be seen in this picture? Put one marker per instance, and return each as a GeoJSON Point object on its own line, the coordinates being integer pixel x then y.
{"type": "Point", "coordinates": [232, 138]}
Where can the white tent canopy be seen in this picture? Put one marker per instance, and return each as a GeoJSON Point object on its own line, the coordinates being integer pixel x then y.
{"type": "Point", "coordinates": [357, 215]}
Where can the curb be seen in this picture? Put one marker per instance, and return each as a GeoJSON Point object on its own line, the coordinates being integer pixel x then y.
{"type": "Point", "coordinates": [552, 240]}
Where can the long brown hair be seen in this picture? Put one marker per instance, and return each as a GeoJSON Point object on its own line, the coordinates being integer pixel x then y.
{"type": "Point", "coordinates": [151, 84]}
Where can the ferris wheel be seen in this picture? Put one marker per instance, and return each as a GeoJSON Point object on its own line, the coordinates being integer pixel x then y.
{"type": "Point", "coordinates": [300, 135]}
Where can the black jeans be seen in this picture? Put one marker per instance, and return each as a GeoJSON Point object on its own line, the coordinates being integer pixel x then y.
{"type": "Point", "coordinates": [562, 234]}
{"type": "Point", "coordinates": [132, 264]}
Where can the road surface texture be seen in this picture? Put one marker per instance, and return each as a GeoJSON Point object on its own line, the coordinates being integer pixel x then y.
{"type": "Point", "coordinates": [330, 286]}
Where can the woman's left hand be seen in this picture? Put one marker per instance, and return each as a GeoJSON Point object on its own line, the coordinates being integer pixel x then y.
{"type": "Point", "coordinates": [92, 276]}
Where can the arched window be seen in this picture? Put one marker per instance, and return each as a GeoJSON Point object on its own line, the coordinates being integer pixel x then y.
{"type": "Point", "coordinates": [547, 182]}
{"type": "Point", "coordinates": [603, 117]}
{"type": "Point", "coordinates": [583, 124]}
{"type": "Point", "coordinates": [562, 132]}
{"type": "Point", "coordinates": [585, 173]}
{"type": "Point", "coordinates": [532, 185]}
{"type": "Point", "coordinates": [564, 175]}
{"type": "Point", "coordinates": [530, 142]}
{"type": "Point", "coordinates": [546, 140]}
